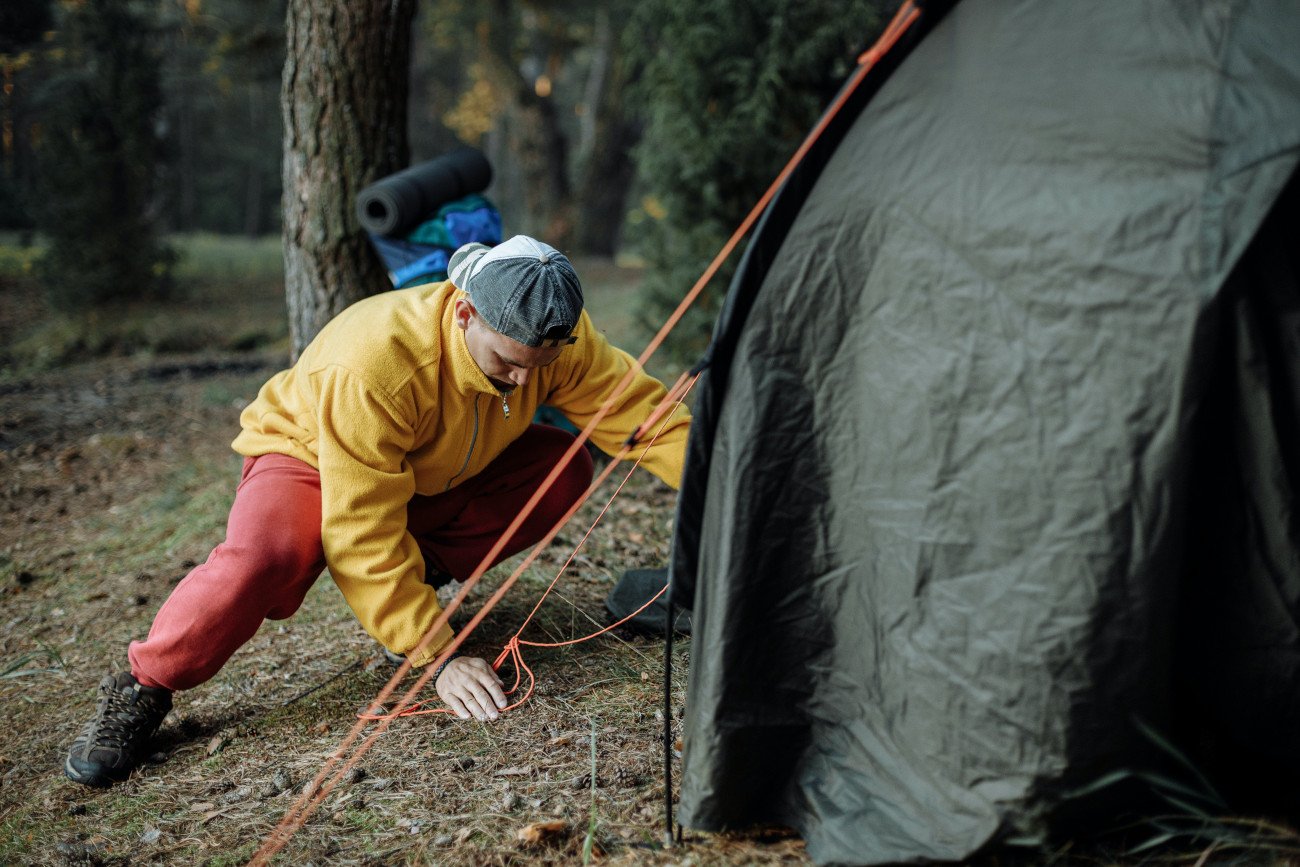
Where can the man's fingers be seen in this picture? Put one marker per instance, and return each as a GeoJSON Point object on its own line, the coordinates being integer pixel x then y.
{"type": "Point", "coordinates": [454, 702]}
{"type": "Point", "coordinates": [481, 667]}
{"type": "Point", "coordinates": [484, 699]}
{"type": "Point", "coordinates": [495, 692]}
{"type": "Point", "coordinates": [471, 688]}
{"type": "Point", "coordinates": [492, 683]}
{"type": "Point", "coordinates": [488, 687]}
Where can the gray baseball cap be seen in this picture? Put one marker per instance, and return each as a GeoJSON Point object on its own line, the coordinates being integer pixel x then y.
{"type": "Point", "coordinates": [522, 288]}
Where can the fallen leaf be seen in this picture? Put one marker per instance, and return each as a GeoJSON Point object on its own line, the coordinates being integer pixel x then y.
{"type": "Point", "coordinates": [636, 538]}
{"type": "Point", "coordinates": [216, 745]}
{"type": "Point", "coordinates": [208, 817]}
{"type": "Point", "coordinates": [521, 771]}
{"type": "Point", "coordinates": [150, 836]}
{"type": "Point", "coordinates": [234, 796]}
{"type": "Point", "coordinates": [541, 832]}
{"type": "Point", "coordinates": [200, 807]}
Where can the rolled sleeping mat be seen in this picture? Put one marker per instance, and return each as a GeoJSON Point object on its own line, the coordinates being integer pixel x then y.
{"type": "Point", "coordinates": [396, 203]}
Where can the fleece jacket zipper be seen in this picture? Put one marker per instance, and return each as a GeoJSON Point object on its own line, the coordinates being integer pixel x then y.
{"type": "Point", "coordinates": [472, 440]}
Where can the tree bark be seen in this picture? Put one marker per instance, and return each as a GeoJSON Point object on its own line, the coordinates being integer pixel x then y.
{"type": "Point", "coordinates": [532, 134]}
{"type": "Point", "coordinates": [609, 134]}
{"type": "Point", "coordinates": [343, 97]}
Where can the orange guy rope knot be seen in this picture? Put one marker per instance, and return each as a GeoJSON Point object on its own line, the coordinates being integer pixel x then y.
{"type": "Point", "coordinates": [316, 792]}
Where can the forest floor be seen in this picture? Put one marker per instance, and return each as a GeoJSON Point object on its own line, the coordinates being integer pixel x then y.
{"type": "Point", "coordinates": [115, 478]}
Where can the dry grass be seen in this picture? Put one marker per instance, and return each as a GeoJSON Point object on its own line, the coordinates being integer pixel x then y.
{"type": "Point", "coordinates": [227, 296]}
{"type": "Point", "coordinates": [97, 528]}
{"type": "Point", "coordinates": [116, 478]}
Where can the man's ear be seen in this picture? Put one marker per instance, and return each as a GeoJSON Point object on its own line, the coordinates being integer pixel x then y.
{"type": "Point", "coordinates": [463, 312]}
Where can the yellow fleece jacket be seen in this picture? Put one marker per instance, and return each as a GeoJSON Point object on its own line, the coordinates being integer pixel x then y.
{"type": "Point", "coordinates": [387, 403]}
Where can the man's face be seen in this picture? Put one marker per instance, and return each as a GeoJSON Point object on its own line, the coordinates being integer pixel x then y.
{"type": "Point", "coordinates": [507, 363]}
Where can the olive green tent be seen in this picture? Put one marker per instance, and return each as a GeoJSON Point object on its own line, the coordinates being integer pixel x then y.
{"type": "Point", "coordinates": [999, 443]}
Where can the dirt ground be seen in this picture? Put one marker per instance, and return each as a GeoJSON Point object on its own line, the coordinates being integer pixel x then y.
{"type": "Point", "coordinates": [115, 476]}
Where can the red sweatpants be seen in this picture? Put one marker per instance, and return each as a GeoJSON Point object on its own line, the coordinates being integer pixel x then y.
{"type": "Point", "coordinates": [273, 554]}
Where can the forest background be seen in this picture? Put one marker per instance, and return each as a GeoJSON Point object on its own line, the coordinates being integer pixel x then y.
{"type": "Point", "coordinates": [153, 273]}
{"type": "Point", "coordinates": [643, 131]}
{"type": "Point", "coordinates": [146, 147]}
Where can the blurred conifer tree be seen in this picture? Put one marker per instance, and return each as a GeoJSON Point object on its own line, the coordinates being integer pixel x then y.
{"type": "Point", "coordinates": [728, 89]}
{"type": "Point", "coordinates": [99, 154]}
{"type": "Point", "coordinates": [22, 25]}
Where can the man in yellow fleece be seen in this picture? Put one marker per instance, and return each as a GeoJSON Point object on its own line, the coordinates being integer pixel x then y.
{"type": "Point", "coordinates": [396, 451]}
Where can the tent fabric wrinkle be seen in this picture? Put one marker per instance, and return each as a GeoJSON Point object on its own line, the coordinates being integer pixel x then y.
{"type": "Point", "coordinates": [995, 452]}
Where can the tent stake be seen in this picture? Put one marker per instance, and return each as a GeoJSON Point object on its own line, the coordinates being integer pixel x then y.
{"type": "Point", "coordinates": [668, 726]}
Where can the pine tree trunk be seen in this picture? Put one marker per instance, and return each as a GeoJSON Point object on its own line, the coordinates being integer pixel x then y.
{"type": "Point", "coordinates": [532, 135]}
{"type": "Point", "coordinates": [188, 144]}
{"type": "Point", "coordinates": [343, 99]}
{"type": "Point", "coordinates": [607, 179]}
{"type": "Point", "coordinates": [609, 134]}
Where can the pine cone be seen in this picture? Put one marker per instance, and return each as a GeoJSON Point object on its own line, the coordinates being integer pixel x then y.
{"type": "Point", "coordinates": [624, 778]}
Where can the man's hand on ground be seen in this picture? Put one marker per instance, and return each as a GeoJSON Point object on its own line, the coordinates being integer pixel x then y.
{"type": "Point", "coordinates": [470, 687]}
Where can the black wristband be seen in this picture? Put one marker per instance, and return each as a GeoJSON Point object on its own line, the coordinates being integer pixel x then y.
{"type": "Point", "coordinates": [438, 672]}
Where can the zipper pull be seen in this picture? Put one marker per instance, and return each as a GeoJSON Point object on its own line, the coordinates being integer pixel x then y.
{"type": "Point", "coordinates": [505, 407]}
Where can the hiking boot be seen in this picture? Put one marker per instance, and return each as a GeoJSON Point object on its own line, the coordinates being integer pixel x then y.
{"type": "Point", "coordinates": [113, 744]}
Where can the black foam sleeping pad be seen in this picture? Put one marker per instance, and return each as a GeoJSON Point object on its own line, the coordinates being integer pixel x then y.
{"type": "Point", "coordinates": [397, 203]}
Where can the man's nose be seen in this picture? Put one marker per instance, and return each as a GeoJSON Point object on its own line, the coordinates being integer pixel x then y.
{"type": "Point", "coordinates": [519, 375]}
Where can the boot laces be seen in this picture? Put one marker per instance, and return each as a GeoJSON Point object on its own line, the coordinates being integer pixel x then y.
{"type": "Point", "coordinates": [122, 714]}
